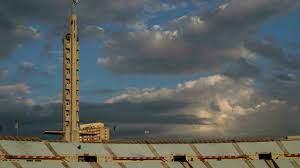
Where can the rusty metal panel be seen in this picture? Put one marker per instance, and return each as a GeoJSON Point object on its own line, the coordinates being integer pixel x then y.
{"type": "Point", "coordinates": [68, 149]}
{"type": "Point", "coordinates": [6, 165]}
{"type": "Point", "coordinates": [259, 164]}
{"type": "Point", "coordinates": [175, 165]}
{"type": "Point", "coordinates": [144, 165]}
{"type": "Point", "coordinates": [197, 164]}
{"type": "Point", "coordinates": [173, 149]}
{"type": "Point", "coordinates": [284, 163]}
{"type": "Point", "coordinates": [253, 148]}
{"type": "Point", "coordinates": [79, 165]}
{"type": "Point", "coordinates": [47, 164]}
{"type": "Point", "coordinates": [131, 150]}
{"type": "Point", "coordinates": [110, 165]}
{"type": "Point", "coordinates": [228, 164]}
{"type": "Point", "coordinates": [293, 147]}
{"type": "Point", "coordinates": [217, 149]}
{"type": "Point", "coordinates": [25, 148]}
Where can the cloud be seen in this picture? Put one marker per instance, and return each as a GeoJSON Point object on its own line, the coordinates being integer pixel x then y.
{"type": "Point", "coordinates": [14, 35]}
{"type": "Point", "coordinates": [242, 68]}
{"type": "Point", "coordinates": [27, 67]}
{"type": "Point", "coordinates": [214, 103]}
{"type": "Point", "coordinates": [267, 49]}
{"type": "Point", "coordinates": [220, 41]}
{"type": "Point", "coordinates": [15, 89]}
{"type": "Point", "coordinates": [3, 73]}
{"type": "Point", "coordinates": [15, 103]}
{"type": "Point", "coordinates": [14, 18]}
{"type": "Point", "coordinates": [207, 106]}
{"type": "Point", "coordinates": [192, 43]}
{"type": "Point", "coordinates": [92, 31]}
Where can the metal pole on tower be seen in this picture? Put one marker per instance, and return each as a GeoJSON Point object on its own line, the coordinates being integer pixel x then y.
{"type": "Point", "coordinates": [74, 4]}
{"type": "Point", "coordinates": [17, 126]}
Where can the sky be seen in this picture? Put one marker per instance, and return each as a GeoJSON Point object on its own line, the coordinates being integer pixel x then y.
{"type": "Point", "coordinates": [167, 67]}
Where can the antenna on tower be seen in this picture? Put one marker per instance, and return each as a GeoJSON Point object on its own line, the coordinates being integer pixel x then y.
{"type": "Point", "coordinates": [74, 4]}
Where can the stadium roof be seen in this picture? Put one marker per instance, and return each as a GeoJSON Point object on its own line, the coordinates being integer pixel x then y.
{"type": "Point", "coordinates": [234, 153]}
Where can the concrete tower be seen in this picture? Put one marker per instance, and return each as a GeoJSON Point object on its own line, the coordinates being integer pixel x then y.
{"type": "Point", "coordinates": [71, 83]}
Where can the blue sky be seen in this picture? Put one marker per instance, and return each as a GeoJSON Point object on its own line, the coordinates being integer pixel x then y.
{"type": "Point", "coordinates": [182, 60]}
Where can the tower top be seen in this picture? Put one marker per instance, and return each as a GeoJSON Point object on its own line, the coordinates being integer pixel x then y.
{"type": "Point", "coordinates": [74, 4]}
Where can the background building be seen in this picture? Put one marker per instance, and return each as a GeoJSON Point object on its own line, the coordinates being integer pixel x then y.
{"type": "Point", "coordinates": [94, 132]}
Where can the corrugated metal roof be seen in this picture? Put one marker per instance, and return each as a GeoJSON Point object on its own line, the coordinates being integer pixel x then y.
{"type": "Point", "coordinates": [175, 165]}
{"type": "Point", "coordinates": [152, 154]}
{"type": "Point", "coordinates": [19, 138]}
{"type": "Point", "coordinates": [131, 150]}
{"type": "Point", "coordinates": [259, 164]}
{"type": "Point", "coordinates": [297, 161]}
{"type": "Point", "coordinates": [79, 165]}
{"type": "Point", "coordinates": [284, 163]}
{"type": "Point", "coordinates": [181, 140]}
{"type": "Point", "coordinates": [6, 165]}
{"type": "Point", "coordinates": [220, 149]}
{"type": "Point", "coordinates": [79, 149]}
{"type": "Point", "coordinates": [197, 164]}
{"type": "Point", "coordinates": [25, 148]}
{"type": "Point", "coordinates": [228, 164]}
{"type": "Point", "coordinates": [110, 165]}
{"type": "Point", "coordinates": [48, 164]}
{"type": "Point", "coordinates": [173, 149]}
{"type": "Point", "coordinates": [144, 165]}
{"type": "Point", "coordinates": [292, 146]}
{"type": "Point", "coordinates": [253, 148]}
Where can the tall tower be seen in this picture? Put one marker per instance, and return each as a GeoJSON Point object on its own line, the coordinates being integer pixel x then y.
{"type": "Point", "coordinates": [71, 82]}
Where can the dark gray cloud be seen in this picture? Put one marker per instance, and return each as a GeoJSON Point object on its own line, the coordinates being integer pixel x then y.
{"type": "Point", "coordinates": [216, 104]}
{"type": "Point", "coordinates": [207, 106]}
{"type": "Point", "coordinates": [131, 117]}
{"type": "Point", "coordinates": [102, 91]}
{"type": "Point", "coordinates": [14, 102]}
{"type": "Point", "coordinates": [14, 35]}
{"type": "Point", "coordinates": [3, 73]}
{"type": "Point", "coordinates": [15, 15]}
{"type": "Point", "coordinates": [280, 117]}
{"type": "Point", "coordinates": [192, 43]}
{"type": "Point", "coordinates": [28, 69]}
{"type": "Point", "coordinates": [210, 105]}
{"type": "Point", "coordinates": [293, 61]}
{"type": "Point", "coordinates": [267, 49]}
{"type": "Point", "coordinates": [220, 104]}
{"type": "Point", "coordinates": [242, 68]}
